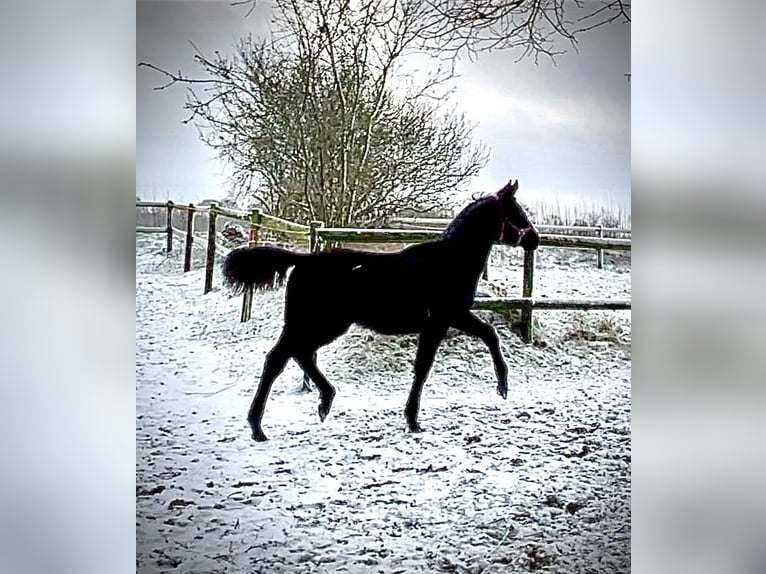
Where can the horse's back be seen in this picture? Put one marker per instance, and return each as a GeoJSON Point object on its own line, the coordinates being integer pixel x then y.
{"type": "Point", "coordinates": [386, 292]}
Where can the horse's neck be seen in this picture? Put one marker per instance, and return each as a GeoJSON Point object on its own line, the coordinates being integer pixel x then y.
{"type": "Point", "coordinates": [470, 236]}
{"type": "Point", "coordinates": [468, 251]}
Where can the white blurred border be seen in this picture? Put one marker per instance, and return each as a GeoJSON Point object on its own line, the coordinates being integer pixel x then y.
{"type": "Point", "coordinates": [67, 172]}
{"type": "Point", "coordinates": [66, 161]}
{"type": "Point", "coordinates": [699, 273]}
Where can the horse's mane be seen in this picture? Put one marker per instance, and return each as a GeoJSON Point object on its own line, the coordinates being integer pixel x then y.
{"type": "Point", "coordinates": [467, 211]}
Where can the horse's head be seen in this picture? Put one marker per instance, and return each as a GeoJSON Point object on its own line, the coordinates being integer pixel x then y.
{"type": "Point", "coordinates": [515, 228]}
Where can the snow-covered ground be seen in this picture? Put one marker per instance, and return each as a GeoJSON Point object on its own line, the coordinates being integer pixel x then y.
{"type": "Point", "coordinates": [538, 482]}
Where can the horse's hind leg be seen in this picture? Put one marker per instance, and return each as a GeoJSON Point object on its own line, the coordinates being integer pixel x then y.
{"type": "Point", "coordinates": [306, 387]}
{"type": "Point", "coordinates": [275, 363]}
{"type": "Point", "coordinates": [307, 362]}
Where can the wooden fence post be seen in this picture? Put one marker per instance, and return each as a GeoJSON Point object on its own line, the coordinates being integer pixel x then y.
{"type": "Point", "coordinates": [526, 312]}
{"type": "Point", "coordinates": [169, 226]}
{"type": "Point", "coordinates": [210, 261]}
{"type": "Point", "coordinates": [189, 232]}
{"type": "Point", "coordinates": [314, 239]}
{"type": "Point", "coordinates": [600, 258]}
{"type": "Point", "coordinates": [600, 251]}
{"type": "Point", "coordinates": [247, 297]}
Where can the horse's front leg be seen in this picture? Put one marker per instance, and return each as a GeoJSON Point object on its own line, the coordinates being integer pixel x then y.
{"type": "Point", "coordinates": [472, 325]}
{"type": "Point", "coordinates": [427, 346]}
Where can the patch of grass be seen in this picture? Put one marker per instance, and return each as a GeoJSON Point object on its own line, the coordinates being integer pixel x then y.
{"type": "Point", "coordinates": [591, 326]}
{"type": "Point", "coordinates": [536, 557]}
{"type": "Point", "coordinates": [512, 317]}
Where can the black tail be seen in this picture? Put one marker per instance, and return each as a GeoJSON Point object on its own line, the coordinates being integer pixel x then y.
{"type": "Point", "coordinates": [261, 267]}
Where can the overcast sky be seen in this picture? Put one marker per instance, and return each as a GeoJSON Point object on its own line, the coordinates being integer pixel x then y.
{"type": "Point", "coordinates": [563, 130]}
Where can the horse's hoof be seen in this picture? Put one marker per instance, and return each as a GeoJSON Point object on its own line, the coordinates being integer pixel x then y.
{"type": "Point", "coordinates": [323, 412]}
{"type": "Point", "coordinates": [259, 436]}
{"type": "Point", "coordinates": [502, 391]}
{"type": "Point", "coordinates": [416, 428]}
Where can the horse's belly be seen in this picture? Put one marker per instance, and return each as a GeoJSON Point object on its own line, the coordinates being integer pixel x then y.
{"type": "Point", "coordinates": [389, 319]}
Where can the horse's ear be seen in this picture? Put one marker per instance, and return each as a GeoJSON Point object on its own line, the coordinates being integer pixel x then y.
{"type": "Point", "coordinates": [509, 188]}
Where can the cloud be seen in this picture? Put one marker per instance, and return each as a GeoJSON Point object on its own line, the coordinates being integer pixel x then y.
{"type": "Point", "coordinates": [485, 103]}
{"type": "Point", "coordinates": [488, 106]}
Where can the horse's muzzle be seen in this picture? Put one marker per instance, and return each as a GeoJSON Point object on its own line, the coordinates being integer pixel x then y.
{"type": "Point", "coordinates": [529, 239]}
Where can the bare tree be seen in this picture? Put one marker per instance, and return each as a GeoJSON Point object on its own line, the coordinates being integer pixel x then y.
{"type": "Point", "coordinates": [324, 120]}
{"type": "Point", "coordinates": [328, 119]}
{"type": "Point", "coordinates": [532, 27]}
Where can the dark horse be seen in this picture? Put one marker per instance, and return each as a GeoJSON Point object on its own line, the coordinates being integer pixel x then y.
{"type": "Point", "coordinates": [426, 289]}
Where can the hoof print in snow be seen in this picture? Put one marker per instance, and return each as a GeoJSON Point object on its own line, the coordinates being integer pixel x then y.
{"type": "Point", "coordinates": [536, 558]}
{"type": "Point", "coordinates": [227, 439]}
{"type": "Point", "coordinates": [165, 560]}
{"type": "Point", "coordinates": [517, 461]}
{"type": "Point", "coordinates": [472, 439]}
{"type": "Point", "coordinates": [430, 468]}
{"type": "Point", "coordinates": [585, 450]}
{"type": "Point", "coordinates": [582, 430]}
{"type": "Point", "coordinates": [142, 491]}
{"type": "Point", "coordinates": [553, 501]}
{"type": "Point", "coordinates": [180, 502]}
{"type": "Point", "coordinates": [369, 456]}
{"type": "Point", "coordinates": [379, 484]}
{"type": "Point", "coordinates": [372, 438]}
{"type": "Point", "coordinates": [573, 507]}
{"type": "Point", "coordinates": [524, 416]}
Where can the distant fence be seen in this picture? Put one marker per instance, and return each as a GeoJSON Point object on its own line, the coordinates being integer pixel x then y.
{"type": "Point", "coordinates": [317, 236]}
{"type": "Point", "coordinates": [525, 303]}
{"type": "Point", "coordinates": [253, 220]}
{"type": "Point", "coordinates": [598, 231]}
{"type": "Point", "coordinates": [440, 223]}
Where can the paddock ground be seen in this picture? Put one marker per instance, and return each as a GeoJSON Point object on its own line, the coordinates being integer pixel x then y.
{"type": "Point", "coordinates": [540, 482]}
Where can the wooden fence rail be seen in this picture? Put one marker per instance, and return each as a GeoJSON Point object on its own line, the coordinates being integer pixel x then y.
{"type": "Point", "coordinates": [438, 224]}
{"type": "Point", "coordinates": [502, 303]}
{"type": "Point", "coordinates": [140, 229]}
{"type": "Point", "coordinates": [316, 236]}
{"type": "Point", "coordinates": [349, 235]}
{"type": "Point", "coordinates": [441, 223]}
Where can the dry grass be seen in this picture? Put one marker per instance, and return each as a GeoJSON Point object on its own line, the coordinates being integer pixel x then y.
{"type": "Point", "coordinates": [597, 327]}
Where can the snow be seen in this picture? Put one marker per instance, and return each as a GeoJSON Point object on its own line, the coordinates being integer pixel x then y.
{"type": "Point", "coordinates": [538, 482]}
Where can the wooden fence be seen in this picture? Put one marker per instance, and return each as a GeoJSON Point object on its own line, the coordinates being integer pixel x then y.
{"type": "Point", "coordinates": [598, 231]}
{"type": "Point", "coordinates": [317, 236]}
{"type": "Point", "coordinates": [441, 223]}
{"type": "Point", "coordinates": [254, 220]}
